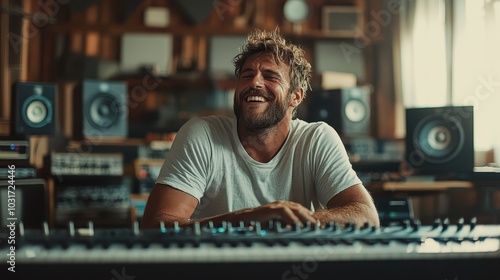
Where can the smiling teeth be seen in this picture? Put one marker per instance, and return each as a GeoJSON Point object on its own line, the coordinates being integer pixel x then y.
{"type": "Point", "coordinates": [256, 98]}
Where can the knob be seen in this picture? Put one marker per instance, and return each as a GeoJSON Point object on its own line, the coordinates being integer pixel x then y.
{"type": "Point", "coordinates": [21, 229]}
{"type": "Point", "coordinates": [297, 227]}
{"type": "Point", "coordinates": [46, 231]}
{"type": "Point", "coordinates": [437, 223]}
{"type": "Point", "coordinates": [416, 225]}
{"type": "Point", "coordinates": [177, 228]}
{"type": "Point", "coordinates": [197, 228]}
{"type": "Point", "coordinates": [446, 224]}
{"type": "Point", "coordinates": [406, 224]}
{"type": "Point", "coordinates": [278, 227]}
{"type": "Point", "coordinates": [473, 223]}
{"type": "Point", "coordinates": [460, 224]}
{"type": "Point", "coordinates": [136, 230]}
{"type": "Point", "coordinates": [317, 227]}
{"type": "Point", "coordinates": [258, 228]}
{"type": "Point", "coordinates": [211, 224]}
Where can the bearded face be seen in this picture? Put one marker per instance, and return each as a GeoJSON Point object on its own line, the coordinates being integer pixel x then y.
{"type": "Point", "coordinates": [262, 98]}
{"type": "Point", "coordinates": [253, 117]}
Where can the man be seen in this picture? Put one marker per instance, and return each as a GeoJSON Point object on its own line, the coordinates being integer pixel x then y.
{"type": "Point", "coordinates": [263, 164]}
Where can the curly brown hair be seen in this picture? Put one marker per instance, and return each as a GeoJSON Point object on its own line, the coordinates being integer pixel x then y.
{"type": "Point", "coordinates": [282, 50]}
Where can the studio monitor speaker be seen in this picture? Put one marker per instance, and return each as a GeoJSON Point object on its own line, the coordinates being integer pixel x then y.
{"type": "Point", "coordinates": [102, 106]}
{"type": "Point", "coordinates": [33, 108]}
{"type": "Point", "coordinates": [346, 109]}
{"type": "Point", "coordinates": [440, 139]}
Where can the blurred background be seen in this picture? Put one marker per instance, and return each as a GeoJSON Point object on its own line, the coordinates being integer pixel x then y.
{"type": "Point", "coordinates": [93, 93]}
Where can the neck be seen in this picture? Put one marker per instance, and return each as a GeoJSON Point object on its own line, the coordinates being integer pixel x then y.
{"type": "Point", "coordinates": [263, 145]}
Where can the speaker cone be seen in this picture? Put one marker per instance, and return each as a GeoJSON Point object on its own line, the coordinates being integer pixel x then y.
{"type": "Point", "coordinates": [37, 111]}
{"type": "Point", "coordinates": [355, 110]}
{"type": "Point", "coordinates": [437, 139]}
{"type": "Point", "coordinates": [104, 111]}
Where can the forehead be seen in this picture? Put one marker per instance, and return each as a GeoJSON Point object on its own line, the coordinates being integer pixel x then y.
{"type": "Point", "coordinates": [263, 58]}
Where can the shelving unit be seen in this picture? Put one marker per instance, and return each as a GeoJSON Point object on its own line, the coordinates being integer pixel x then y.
{"type": "Point", "coordinates": [96, 30]}
{"type": "Point", "coordinates": [85, 36]}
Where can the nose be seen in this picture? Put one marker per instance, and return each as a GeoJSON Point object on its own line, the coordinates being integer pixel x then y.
{"type": "Point", "coordinates": [257, 81]}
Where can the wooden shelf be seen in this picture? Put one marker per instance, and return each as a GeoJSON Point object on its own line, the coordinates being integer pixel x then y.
{"type": "Point", "coordinates": [200, 31]}
{"type": "Point", "coordinates": [425, 186]}
{"type": "Point", "coordinates": [184, 82]}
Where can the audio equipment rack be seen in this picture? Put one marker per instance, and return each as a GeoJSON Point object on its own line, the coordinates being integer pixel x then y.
{"type": "Point", "coordinates": [409, 250]}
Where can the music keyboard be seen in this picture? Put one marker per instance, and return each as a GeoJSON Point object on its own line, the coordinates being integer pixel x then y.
{"type": "Point", "coordinates": [458, 249]}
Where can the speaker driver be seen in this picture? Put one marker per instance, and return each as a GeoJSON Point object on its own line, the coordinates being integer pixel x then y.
{"type": "Point", "coordinates": [355, 110]}
{"type": "Point", "coordinates": [104, 111]}
{"type": "Point", "coordinates": [33, 108]}
{"type": "Point", "coordinates": [37, 111]}
{"type": "Point", "coordinates": [438, 140]}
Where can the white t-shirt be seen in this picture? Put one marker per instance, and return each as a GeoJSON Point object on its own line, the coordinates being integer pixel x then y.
{"type": "Point", "coordinates": [208, 161]}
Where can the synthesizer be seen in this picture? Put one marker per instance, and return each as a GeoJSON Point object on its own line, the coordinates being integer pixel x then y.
{"type": "Point", "coordinates": [410, 250]}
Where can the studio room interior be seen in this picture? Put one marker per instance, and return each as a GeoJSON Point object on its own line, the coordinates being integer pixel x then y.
{"type": "Point", "coordinates": [95, 93]}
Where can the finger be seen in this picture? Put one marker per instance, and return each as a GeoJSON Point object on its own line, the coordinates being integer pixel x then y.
{"type": "Point", "coordinates": [305, 215]}
{"type": "Point", "coordinates": [300, 215]}
{"type": "Point", "coordinates": [288, 216]}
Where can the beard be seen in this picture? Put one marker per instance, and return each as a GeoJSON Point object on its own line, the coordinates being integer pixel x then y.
{"type": "Point", "coordinates": [253, 122]}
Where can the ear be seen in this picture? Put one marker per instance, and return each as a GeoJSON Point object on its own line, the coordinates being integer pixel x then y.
{"type": "Point", "coordinates": [297, 97]}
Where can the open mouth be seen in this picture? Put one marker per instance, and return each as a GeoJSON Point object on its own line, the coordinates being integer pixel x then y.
{"type": "Point", "coordinates": [254, 98]}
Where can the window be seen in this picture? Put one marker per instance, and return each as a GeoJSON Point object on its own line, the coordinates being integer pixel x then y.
{"type": "Point", "coordinates": [450, 53]}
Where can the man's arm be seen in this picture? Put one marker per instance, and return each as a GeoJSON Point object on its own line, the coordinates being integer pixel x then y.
{"type": "Point", "coordinates": [167, 204]}
{"type": "Point", "coordinates": [352, 205]}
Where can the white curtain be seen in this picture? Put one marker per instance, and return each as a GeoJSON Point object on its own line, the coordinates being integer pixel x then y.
{"type": "Point", "coordinates": [423, 61]}
{"type": "Point", "coordinates": [476, 67]}
{"type": "Point", "coordinates": [453, 62]}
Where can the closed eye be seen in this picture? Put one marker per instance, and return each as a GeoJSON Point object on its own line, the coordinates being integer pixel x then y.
{"type": "Point", "coordinates": [244, 77]}
{"type": "Point", "coordinates": [272, 78]}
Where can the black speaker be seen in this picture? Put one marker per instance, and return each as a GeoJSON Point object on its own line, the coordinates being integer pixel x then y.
{"type": "Point", "coordinates": [440, 139]}
{"type": "Point", "coordinates": [33, 108]}
{"type": "Point", "coordinates": [346, 109]}
{"type": "Point", "coordinates": [102, 106]}
{"type": "Point", "coordinates": [27, 202]}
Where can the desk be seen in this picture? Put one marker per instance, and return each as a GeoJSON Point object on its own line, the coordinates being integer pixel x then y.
{"type": "Point", "coordinates": [445, 199]}
{"type": "Point", "coordinates": [425, 185]}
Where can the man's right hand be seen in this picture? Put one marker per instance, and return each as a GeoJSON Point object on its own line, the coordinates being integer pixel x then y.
{"type": "Point", "coordinates": [287, 212]}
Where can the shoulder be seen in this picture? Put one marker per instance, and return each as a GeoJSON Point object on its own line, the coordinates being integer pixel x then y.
{"type": "Point", "coordinates": [319, 137]}
{"type": "Point", "coordinates": [205, 129]}
{"type": "Point", "coordinates": [318, 129]}
{"type": "Point", "coordinates": [207, 123]}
